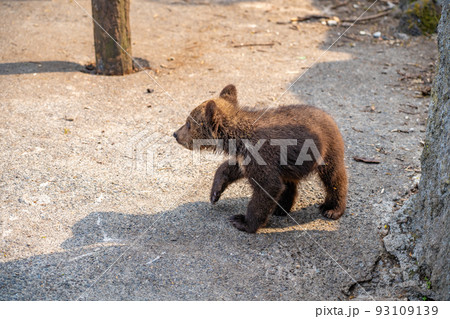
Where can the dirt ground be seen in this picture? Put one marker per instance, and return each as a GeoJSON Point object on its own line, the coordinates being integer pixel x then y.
{"type": "Point", "coordinates": [98, 201]}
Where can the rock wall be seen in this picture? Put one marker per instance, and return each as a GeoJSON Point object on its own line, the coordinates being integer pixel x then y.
{"type": "Point", "coordinates": [419, 235]}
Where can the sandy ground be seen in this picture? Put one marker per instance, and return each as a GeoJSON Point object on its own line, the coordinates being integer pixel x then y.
{"type": "Point", "coordinates": [99, 202]}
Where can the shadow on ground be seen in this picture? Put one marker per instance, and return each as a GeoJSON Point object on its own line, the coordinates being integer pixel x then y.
{"type": "Point", "coordinates": [39, 67]}
{"type": "Point", "coordinates": [201, 2]}
{"type": "Point", "coordinates": [188, 253]}
{"type": "Point", "coordinates": [57, 66]}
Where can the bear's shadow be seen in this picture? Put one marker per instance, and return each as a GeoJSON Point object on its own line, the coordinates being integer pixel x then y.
{"type": "Point", "coordinates": [199, 217]}
{"type": "Point", "coordinates": [193, 236]}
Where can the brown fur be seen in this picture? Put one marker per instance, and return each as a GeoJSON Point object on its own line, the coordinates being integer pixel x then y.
{"type": "Point", "coordinates": [274, 185]}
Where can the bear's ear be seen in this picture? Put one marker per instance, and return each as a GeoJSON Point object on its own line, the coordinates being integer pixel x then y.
{"type": "Point", "coordinates": [229, 93]}
{"type": "Point", "coordinates": [210, 110]}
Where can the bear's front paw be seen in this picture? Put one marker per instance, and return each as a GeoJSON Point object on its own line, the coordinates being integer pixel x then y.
{"type": "Point", "coordinates": [238, 221]}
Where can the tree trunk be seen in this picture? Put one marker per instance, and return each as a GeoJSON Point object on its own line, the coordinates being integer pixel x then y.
{"type": "Point", "coordinates": [112, 36]}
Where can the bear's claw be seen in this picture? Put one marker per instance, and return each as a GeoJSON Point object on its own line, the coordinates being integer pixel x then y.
{"type": "Point", "coordinates": [331, 213]}
{"type": "Point", "coordinates": [215, 197]}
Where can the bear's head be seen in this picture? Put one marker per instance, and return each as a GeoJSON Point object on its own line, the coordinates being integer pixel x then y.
{"type": "Point", "coordinates": [208, 118]}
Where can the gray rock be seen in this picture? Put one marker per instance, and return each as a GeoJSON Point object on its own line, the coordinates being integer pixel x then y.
{"type": "Point", "coordinates": [401, 36]}
{"type": "Point", "coordinates": [426, 232]}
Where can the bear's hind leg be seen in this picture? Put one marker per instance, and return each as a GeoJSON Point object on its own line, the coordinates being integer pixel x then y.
{"type": "Point", "coordinates": [261, 205]}
{"type": "Point", "coordinates": [287, 199]}
{"type": "Point", "coordinates": [334, 177]}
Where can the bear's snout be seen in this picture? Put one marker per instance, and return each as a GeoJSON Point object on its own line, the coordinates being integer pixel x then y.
{"type": "Point", "coordinates": [180, 136]}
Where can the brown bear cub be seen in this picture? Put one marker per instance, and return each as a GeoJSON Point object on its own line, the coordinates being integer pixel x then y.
{"type": "Point", "coordinates": [274, 150]}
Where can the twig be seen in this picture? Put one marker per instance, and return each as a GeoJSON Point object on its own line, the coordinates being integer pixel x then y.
{"type": "Point", "coordinates": [355, 129]}
{"type": "Point", "coordinates": [317, 16]}
{"type": "Point", "coordinates": [305, 18]}
{"type": "Point", "coordinates": [375, 16]}
{"type": "Point", "coordinates": [350, 37]}
{"type": "Point", "coordinates": [340, 5]}
{"type": "Point", "coordinates": [309, 17]}
{"type": "Point", "coordinates": [152, 261]}
{"type": "Point", "coordinates": [166, 67]}
{"type": "Point", "coordinates": [366, 160]}
{"type": "Point", "coordinates": [400, 131]}
{"type": "Point", "coordinates": [254, 45]}
{"type": "Point", "coordinates": [411, 113]}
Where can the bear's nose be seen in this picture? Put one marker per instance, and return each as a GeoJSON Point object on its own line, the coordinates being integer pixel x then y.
{"type": "Point", "coordinates": [175, 135]}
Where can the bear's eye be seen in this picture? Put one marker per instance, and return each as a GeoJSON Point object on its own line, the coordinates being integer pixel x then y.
{"type": "Point", "coordinates": [188, 125]}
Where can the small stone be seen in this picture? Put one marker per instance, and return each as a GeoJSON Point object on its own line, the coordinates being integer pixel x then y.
{"type": "Point", "coordinates": [362, 32]}
{"type": "Point", "coordinates": [377, 34]}
{"type": "Point", "coordinates": [401, 36]}
{"type": "Point", "coordinates": [390, 5]}
{"type": "Point", "coordinates": [336, 19]}
{"type": "Point", "coordinates": [416, 180]}
{"type": "Point", "coordinates": [332, 23]}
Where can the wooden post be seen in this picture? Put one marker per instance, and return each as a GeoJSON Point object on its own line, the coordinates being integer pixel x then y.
{"type": "Point", "coordinates": [114, 17]}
